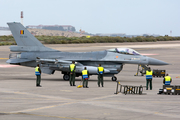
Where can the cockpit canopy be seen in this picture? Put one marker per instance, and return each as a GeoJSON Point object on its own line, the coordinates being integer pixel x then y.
{"type": "Point", "coordinates": [128, 51]}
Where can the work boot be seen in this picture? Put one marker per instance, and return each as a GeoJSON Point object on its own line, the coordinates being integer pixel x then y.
{"type": "Point", "coordinates": [74, 85]}
{"type": "Point", "coordinates": [87, 87]}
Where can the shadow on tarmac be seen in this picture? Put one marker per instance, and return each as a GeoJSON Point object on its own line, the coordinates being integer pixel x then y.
{"type": "Point", "coordinates": [55, 79]}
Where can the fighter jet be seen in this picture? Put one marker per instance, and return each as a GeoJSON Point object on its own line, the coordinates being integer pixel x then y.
{"type": "Point", "coordinates": [30, 52]}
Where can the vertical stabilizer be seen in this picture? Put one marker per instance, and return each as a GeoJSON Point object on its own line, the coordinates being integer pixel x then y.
{"type": "Point", "coordinates": [22, 36]}
{"type": "Point", "coordinates": [25, 40]}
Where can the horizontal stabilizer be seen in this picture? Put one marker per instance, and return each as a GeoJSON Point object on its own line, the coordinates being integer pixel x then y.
{"type": "Point", "coordinates": [15, 61]}
{"type": "Point", "coordinates": [29, 48]}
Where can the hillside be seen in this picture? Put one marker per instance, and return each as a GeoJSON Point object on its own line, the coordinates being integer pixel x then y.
{"type": "Point", "coordinates": [39, 32]}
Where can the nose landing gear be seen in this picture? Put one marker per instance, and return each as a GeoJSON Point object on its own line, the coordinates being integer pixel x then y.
{"type": "Point", "coordinates": [114, 78]}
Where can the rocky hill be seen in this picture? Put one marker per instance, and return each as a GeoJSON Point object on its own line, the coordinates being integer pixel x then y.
{"type": "Point", "coordinates": [54, 33]}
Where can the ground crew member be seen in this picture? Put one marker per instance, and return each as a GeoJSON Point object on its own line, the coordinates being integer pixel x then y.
{"type": "Point", "coordinates": [72, 69]}
{"type": "Point", "coordinates": [149, 74]}
{"type": "Point", "coordinates": [100, 75]}
{"type": "Point", "coordinates": [85, 77]}
{"type": "Point", "coordinates": [167, 80]}
{"type": "Point", "coordinates": [38, 75]}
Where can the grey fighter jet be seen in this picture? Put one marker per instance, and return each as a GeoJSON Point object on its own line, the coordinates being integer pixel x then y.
{"type": "Point", "coordinates": [30, 52]}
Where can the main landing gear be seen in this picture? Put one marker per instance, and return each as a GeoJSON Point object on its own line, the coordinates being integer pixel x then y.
{"type": "Point", "coordinates": [66, 77]}
{"type": "Point", "coordinates": [114, 78]}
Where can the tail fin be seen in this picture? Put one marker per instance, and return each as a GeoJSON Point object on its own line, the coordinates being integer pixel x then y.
{"type": "Point", "coordinates": [25, 40]}
{"type": "Point", "coordinates": [22, 36]}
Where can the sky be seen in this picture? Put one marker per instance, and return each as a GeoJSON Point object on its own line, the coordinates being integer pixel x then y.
{"type": "Point", "coordinates": [132, 17]}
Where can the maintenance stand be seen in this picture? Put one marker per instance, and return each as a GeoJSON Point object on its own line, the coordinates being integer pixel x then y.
{"type": "Point", "coordinates": [142, 70]}
{"type": "Point", "coordinates": [156, 73]}
{"type": "Point", "coordinates": [129, 89]}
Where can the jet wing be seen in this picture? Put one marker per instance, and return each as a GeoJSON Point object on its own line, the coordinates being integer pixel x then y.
{"type": "Point", "coordinates": [56, 61]}
{"type": "Point", "coordinates": [49, 66]}
{"type": "Point", "coordinates": [53, 61]}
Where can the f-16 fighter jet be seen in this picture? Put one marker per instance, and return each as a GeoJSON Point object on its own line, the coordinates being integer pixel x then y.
{"type": "Point", "coordinates": [30, 52]}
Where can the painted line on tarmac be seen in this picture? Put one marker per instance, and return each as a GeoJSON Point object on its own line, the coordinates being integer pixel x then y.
{"type": "Point", "coordinates": [112, 106]}
{"type": "Point", "coordinates": [40, 108]}
{"type": "Point", "coordinates": [71, 118]}
{"type": "Point", "coordinates": [51, 97]}
{"type": "Point", "coordinates": [66, 90]}
{"type": "Point", "coordinates": [131, 101]}
{"type": "Point", "coordinates": [31, 94]}
{"type": "Point", "coordinates": [32, 99]}
{"type": "Point", "coordinates": [52, 106]}
{"type": "Point", "coordinates": [7, 66]}
{"type": "Point", "coordinates": [97, 98]}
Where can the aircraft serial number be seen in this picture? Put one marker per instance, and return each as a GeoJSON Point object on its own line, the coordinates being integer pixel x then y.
{"type": "Point", "coordinates": [23, 36]}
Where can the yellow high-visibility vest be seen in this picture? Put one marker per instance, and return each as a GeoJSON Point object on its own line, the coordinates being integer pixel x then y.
{"type": "Point", "coordinates": [167, 78]}
{"type": "Point", "coordinates": [84, 72]}
{"type": "Point", "coordinates": [72, 66]}
{"type": "Point", "coordinates": [101, 69]}
{"type": "Point", "coordinates": [149, 72]}
{"type": "Point", "coordinates": [36, 69]}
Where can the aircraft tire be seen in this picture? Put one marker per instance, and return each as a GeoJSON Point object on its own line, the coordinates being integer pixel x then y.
{"type": "Point", "coordinates": [114, 78]}
{"type": "Point", "coordinates": [66, 77]}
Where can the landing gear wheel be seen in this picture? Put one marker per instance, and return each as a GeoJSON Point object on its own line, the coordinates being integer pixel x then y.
{"type": "Point", "coordinates": [114, 78]}
{"type": "Point", "coordinates": [66, 77]}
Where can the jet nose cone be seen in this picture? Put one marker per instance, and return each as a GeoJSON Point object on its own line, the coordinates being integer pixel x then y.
{"type": "Point", "coordinates": [152, 61]}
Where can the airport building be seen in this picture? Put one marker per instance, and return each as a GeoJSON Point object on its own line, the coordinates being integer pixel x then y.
{"type": "Point", "coordinates": [4, 28]}
{"type": "Point", "coordinates": [53, 27]}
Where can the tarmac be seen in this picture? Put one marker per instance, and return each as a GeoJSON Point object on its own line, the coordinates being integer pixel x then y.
{"type": "Point", "coordinates": [20, 99]}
